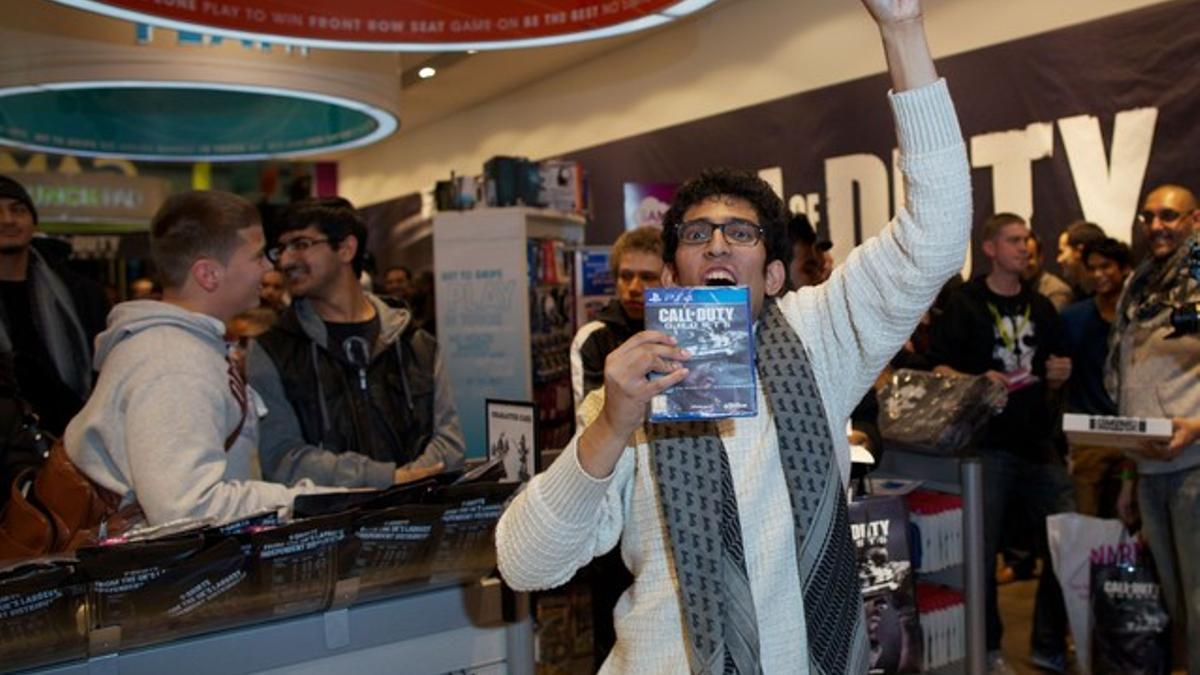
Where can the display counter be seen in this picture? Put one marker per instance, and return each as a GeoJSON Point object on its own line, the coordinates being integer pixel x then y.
{"type": "Point", "coordinates": [433, 630]}
{"type": "Point", "coordinates": [378, 581]}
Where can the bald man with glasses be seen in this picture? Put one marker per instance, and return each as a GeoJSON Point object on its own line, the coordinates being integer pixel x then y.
{"type": "Point", "coordinates": [1154, 371]}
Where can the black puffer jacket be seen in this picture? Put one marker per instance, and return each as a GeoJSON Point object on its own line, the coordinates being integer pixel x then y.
{"type": "Point", "coordinates": [593, 343]}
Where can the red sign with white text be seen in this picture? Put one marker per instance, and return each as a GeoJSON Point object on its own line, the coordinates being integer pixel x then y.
{"type": "Point", "coordinates": [407, 21]}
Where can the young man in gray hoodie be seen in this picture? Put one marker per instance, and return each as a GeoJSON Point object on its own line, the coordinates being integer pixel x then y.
{"type": "Point", "coordinates": [171, 424]}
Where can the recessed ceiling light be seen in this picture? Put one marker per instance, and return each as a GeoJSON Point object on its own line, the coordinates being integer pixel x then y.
{"type": "Point", "coordinates": [426, 72]}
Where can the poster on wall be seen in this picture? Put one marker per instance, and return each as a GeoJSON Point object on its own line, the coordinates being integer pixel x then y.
{"type": "Point", "coordinates": [594, 284]}
{"type": "Point", "coordinates": [647, 203]}
{"type": "Point", "coordinates": [512, 438]}
{"type": "Point", "coordinates": [1068, 124]}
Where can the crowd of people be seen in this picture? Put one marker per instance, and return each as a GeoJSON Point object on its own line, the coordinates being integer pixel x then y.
{"type": "Point", "coordinates": [248, 373]}
{"type": "Point", "coordinates": [257, 366]}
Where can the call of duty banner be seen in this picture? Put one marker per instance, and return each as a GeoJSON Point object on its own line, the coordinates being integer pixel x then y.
{"type": "Point", "coordinates": [1074, 123]}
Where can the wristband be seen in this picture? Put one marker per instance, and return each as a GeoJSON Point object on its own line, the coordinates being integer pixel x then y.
{"type": "Point", "coordinates": [1128, 474]}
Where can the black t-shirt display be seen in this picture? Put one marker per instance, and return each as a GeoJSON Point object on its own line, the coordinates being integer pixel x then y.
{"type": "Point", "coordinates": [980, 331]}
{"type": "Point", "coordinates": [37, 378]}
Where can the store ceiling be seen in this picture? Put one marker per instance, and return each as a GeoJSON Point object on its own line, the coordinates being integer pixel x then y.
{"type": "Point", "coordinates": [473, 79]}
{"type": "Point", "coordinates": [463, 80]}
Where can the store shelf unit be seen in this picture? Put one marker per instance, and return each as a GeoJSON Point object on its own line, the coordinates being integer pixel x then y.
{"type": "Point", "coordinates": [505, 313]}
{"type": "Point", "coordinates": [962, 476]}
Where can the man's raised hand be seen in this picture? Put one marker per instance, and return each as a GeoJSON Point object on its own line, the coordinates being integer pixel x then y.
{"type": "Point", "coordinates": [902, 27]}
{"type": "Point", "coordinates": [887, 12]}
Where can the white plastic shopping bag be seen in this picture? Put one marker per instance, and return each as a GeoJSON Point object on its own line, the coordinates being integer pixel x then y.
{"type": "Point", "coordinates": [1077, 541]}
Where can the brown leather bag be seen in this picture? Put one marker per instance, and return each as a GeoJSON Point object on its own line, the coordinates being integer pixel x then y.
{"type": "Point", "coordinates": [53, 508]}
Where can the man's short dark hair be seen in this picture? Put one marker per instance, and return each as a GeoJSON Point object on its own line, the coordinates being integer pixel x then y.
{"type": "Point", "coordinates": [197, 224]}
{"type": "Point", "coordinates": [645, 239]}
{"type": "Point", "coordinates": [1081, 233]}
{"type": "Point", "coordinates": [335, 217]}
{"type": "Point", "coordinates": [1112, 249]}
{"type": "Point", "coordinates": [712, 183]}
{"type": "Point", "coordinates": [992, 226]}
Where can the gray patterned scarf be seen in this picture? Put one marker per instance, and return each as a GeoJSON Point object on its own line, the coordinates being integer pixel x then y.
{"type": "Point", "coordinates": [1153, 289]}
{"type": "Point", "coordinates": [695, 489]}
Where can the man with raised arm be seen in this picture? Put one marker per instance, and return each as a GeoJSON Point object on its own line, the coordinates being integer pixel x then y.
{"type": "Point", "coordinates": [736, 531]}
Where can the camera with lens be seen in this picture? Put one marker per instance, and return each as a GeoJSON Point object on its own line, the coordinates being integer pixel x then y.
{"type": "Point", "coordinates": [1185, 318]}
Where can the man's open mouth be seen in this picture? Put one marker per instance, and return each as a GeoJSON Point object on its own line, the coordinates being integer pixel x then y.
{"type": "Point", "coordinates": [719, 278]}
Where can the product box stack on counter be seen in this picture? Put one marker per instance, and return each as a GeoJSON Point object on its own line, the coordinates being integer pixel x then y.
{"type": "Point", "coordinates": [160, 584]}
{"type": "Point", "coordinates": [938, 519]}
{"type": "Point", "coordinates": [943, 621]}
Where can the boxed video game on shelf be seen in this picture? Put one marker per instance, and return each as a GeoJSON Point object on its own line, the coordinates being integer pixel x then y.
{"type": "Point", "coordinates": [938, 518]}
{"type": "Point", "coordinates": [943, 623]}
{"type": "Point", "coordinates": [879, 530]}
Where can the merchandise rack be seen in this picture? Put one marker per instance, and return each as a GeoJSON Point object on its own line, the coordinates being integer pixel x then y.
{"type": "Point", "coordinates": [962, 476]}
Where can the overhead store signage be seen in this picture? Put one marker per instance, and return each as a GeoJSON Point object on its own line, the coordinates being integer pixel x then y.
{"type": "Point", "coordinates": [184, 121]}
{"type": "Point", "coordinates": [1055, 132]}
{"type": "Point", "coordinates": [96, 198]}
{"type": "Point", "coordinates": [399, 25]}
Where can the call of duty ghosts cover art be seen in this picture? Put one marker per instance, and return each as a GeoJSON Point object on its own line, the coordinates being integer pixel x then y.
{"type": "Point", "coordinates": [713, 324]}
{"type": "Point", "coordinates": [879, 528]}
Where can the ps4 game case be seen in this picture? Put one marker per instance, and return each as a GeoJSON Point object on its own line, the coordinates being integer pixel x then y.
{"type": "Point", "coordinates": [714, 325]}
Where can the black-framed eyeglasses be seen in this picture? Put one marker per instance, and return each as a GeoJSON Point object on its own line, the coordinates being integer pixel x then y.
{"type": "Point", "coordinates": [735, 230]}
{"type": "Point", "coordinates": [297, 245]}
{"type": "Point", "coordinates": [1166, 216]}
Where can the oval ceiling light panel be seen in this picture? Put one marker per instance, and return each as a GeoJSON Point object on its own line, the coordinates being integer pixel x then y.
{"type": "Point", "coordinates": [402, 25]}
{"type": "Point", "coordinates": [184, 121]}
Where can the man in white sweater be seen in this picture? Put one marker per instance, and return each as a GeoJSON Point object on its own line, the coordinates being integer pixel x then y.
{"type": "Point", "coordinates": [171, 424]}
{"type": "Point", "coordinates": [736, 532]}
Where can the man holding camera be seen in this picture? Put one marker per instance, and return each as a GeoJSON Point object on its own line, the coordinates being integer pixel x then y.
{"type": "Point", "coordinates": [1153, 370]}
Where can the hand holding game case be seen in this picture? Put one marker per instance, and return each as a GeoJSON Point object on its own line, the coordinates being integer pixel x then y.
{"type": "Point", "coordinates": [713, 324]}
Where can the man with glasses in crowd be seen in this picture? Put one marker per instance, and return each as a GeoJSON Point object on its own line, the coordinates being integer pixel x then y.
{"type": "Point", "coordinates": [356, 395]}
{"type": "Point", "coordinates": [1153, 370]}
{"type": "Point", "coordinates": [736, 531]}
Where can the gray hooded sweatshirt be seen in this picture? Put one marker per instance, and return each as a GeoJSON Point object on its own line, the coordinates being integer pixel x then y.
{"type": "Point", "coordinates": [155, 428]}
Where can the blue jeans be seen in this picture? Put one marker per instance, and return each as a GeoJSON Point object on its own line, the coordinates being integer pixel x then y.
{"type": "Point", "coordinates": [1012, 482]}
{"type": "Point", "coordinates": [1170, 506]}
